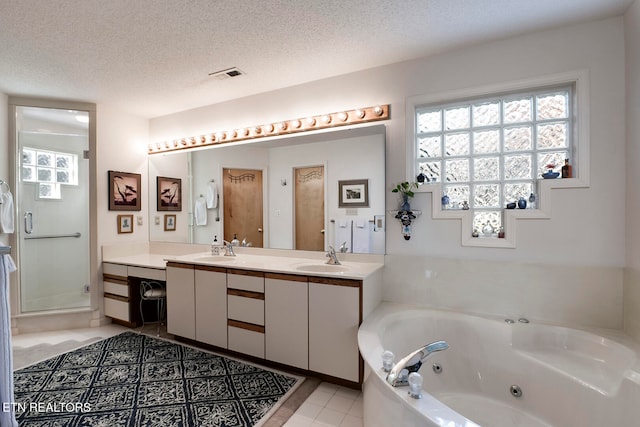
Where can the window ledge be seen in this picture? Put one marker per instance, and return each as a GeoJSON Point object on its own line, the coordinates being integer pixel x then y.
{"type": "Point", "coordinates": [511, 216]}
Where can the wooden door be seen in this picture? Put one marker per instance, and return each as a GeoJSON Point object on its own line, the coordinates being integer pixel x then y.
{"type": "Point", "coordinates": [309, 208]}
{"type": "Point", "coordinates": [242, 200]}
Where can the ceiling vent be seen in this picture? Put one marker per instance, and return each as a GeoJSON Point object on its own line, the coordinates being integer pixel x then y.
{"type": "Point", "coordinates": [227, 74]}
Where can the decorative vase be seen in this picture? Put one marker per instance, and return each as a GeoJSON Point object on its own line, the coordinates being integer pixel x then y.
{"type": "Point", "coordinates": [405, 206]}
{"type": "Point", "coordinates": [445, 201]}
{"type": "Point", "coordinates": [522, 203]}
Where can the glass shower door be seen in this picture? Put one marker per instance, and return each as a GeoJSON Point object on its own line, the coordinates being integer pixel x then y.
{"type": "Point", "coordinates": [53, 209]}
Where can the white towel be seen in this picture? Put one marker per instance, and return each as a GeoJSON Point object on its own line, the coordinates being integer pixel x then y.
{"type": "Point", "coordinates": [212, 195]}
{"type": "Point", "coordinates": [200, 211]}
{"type": "Point", "coordinates": [343, 234]}
{"type": "Point", "coordinates": [7, 418]}
{"type": "Point", "coordinates": [6, 212]}
{"type": "Point", "coordinates": [362, 237]}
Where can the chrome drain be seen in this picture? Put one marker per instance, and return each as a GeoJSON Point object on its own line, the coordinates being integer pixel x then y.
{"type": "Point", "coordinates": [515, 391]}
{"type": "Point", "coordinates": [437, 368]}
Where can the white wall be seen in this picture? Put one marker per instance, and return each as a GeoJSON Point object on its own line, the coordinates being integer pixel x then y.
{"type": "Point", "coordinates": [632, 272]}
{"type": "Point", "coordinates": [587, 225]}
{"type": "Point", "coordinates": [122, 146]}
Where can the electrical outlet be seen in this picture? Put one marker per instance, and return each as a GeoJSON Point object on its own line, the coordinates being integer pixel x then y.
{"type": "Point", "coordinates": [86, 289]}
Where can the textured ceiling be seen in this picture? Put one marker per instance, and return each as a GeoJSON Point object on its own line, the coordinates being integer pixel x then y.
{"type": "Point", "coordinates": [153, 57]}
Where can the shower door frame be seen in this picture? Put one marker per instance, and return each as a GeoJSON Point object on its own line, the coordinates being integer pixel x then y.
{"type": "Point", "coordinates": [14, 177]}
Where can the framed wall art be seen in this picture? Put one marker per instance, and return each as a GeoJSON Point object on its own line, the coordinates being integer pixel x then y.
{"type": "Point", "coordinates": [353, 193]}
{"type": "Point", "coordinates": [169, 194]}
{"type": "Point", "coordinates": [125, 224]}
{"type": "Point", "coordinates": [169, 222]}
{"type": "Point", "coordinates": [124, 191]}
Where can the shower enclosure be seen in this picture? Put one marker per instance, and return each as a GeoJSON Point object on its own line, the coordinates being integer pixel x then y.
{"type": "Point", "coordinates": [53, 209]}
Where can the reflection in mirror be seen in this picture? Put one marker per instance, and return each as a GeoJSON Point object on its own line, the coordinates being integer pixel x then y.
{"type": "Point", "coordinates": [301, 180]}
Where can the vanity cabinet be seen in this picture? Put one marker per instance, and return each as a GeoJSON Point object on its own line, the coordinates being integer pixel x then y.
{"type": "Point", "coordinates": [245, 305]}
{"type": "Point", "coordinates": [211, 305]}
{"type": "Point", "coordinates": [335, 314]}
{"type": "Point", "coordinates": [181, 300]}
{"type": "Point", "coordinates": [122, 291]}
{"type": "Point", "coordinates": [286, 315]}
{"type": "Point", "coordinates": [306, 322]}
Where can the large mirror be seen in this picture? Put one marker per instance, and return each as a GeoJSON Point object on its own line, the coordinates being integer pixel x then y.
{"type": "Point", "coordinates": [305, 192]}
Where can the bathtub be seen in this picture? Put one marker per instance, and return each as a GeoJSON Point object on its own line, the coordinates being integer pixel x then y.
{"type": "Point", "coordinates": [565, 377]}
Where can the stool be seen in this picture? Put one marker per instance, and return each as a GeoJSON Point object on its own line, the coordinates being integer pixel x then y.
{"type": "Point", "coordinates": [153, 291]}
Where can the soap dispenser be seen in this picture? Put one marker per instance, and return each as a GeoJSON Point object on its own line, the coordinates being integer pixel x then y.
{"type": "Point", "coordinates": [215, 246]}
{"type": "Point", "coordinates": [235, 241]}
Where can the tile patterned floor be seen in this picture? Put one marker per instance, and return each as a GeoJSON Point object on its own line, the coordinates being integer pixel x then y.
{"type": "Point", "coordinates": [327, 405]}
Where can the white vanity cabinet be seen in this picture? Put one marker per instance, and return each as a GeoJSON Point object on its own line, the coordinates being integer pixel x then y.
{"type": "Point", "coordinates": [286, 315]}
{"type": "Point", "coordinates": [335, 313]}
{"type": "Point", "coordinates": [122, 291]}
{"type": "Point", "coordinates": [181, 300]}
{"type": "Point", "coordinates": [245, 305]}
{"type": "Point", "coordinates": [211, 305]}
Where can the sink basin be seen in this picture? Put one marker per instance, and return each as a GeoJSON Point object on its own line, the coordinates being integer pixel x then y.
{"type": "Point", "coordinates": [322, 268]}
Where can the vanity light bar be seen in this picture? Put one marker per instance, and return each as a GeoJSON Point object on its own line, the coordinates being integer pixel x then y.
{"type": "Point", "coordinates": [323, 121]}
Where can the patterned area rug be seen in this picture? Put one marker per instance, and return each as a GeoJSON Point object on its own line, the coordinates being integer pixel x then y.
{"type": "Point", "coordinates": [138, 380]}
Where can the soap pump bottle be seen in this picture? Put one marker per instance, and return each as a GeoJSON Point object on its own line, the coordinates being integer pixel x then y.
{"type": "Point", "coordinates": [215, 246]}
{"type": "Point", "coordinates": [235, 241]}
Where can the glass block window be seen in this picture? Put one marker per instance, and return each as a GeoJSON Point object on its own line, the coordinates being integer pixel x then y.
{"type": "Point", "coordinates": [50, 170]}
{"type": "Point", "coordinates": [489, 152]}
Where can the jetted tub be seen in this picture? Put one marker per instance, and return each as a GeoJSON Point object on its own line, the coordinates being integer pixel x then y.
{"type": "Point", "coordinates": [564, 377]}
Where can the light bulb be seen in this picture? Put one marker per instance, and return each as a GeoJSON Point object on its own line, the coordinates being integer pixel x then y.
{"type": "Point", "coordinates": [343, 116]}
{"type": "Point", "coordinates": [311, 121]}
{"type": "Point", "coordinates": [282, 126]}
{"type": "Point", "coordinates": [387, 360]}
{"type": "Point", "coordinates": [360, 114]}
{"type": "Point", "coordinates": [326, 118]}
{"type": "Point", "coordinates": [378, 111]}
{"type": "Point", "coordinates": [415, 385]}
{"type": "Point", "coordinates": [296, 124]}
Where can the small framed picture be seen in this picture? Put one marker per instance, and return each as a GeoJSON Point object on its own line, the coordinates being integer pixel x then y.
{"type": "Point", "coordinates": [353, 193]}
{"type": "Point", "coordinates": [124, 191]}
{"type": "Point", "coordinates": [125, 224]}
{"type": "Point", "coordinates": [169, 194]}
{"type": "Point", "coordinates": [170, 222]}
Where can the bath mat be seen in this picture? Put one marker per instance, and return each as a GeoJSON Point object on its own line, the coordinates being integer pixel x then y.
{"type": "Point", "coordinates": [136, 380]}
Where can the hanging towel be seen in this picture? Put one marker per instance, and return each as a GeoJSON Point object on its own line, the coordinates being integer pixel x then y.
{"type": "Point", "coordinates": [362, 236]}
{"type": "Point", "coordinates": [6, 212]}
{"type": "Point", "coordinates": [200, 211]}
{"type": "Point", "coordinates": [7, 418]}
{"type": "Point", "coordinates": [343, 233]}
{"type": "Point", "coordinates": [212, 195]}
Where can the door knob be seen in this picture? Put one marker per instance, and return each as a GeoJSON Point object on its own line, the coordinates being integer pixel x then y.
{"type": "Point", "coordinates": [259, 230]}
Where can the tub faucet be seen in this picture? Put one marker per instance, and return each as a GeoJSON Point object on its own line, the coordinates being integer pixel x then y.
{"type": "Point", "coordinates": [333, 258]}
{"type": "Point", "coordinates": [229, 247]}
{"type": "Point", "coordinates": [399, 374]}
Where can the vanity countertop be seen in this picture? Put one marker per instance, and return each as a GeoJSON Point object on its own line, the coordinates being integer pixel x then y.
{"type": "Point", "coordinates": [139, 260]}
{"type": "Point", "coordinates": [281, 264]}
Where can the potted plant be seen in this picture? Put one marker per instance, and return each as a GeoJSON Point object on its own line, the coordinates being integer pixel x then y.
{"type": "Point", "coordinates": [406, 191]}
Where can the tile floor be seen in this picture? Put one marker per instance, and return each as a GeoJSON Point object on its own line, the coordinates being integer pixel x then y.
{"type": "Point", "coordinates": [327, 405]}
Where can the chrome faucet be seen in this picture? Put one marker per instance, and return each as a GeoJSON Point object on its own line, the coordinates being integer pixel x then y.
{"type": "Point", "coordinates": [229, 247]}
{"type": "Point", "coordinates": [333, 258]}
{"type": "Point", "coordinates": [343, 248]}
{"type": "Point", "coordinates": [399, 374]}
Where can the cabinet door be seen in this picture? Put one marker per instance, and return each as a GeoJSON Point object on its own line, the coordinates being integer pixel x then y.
{"type": "Point", "coordinates": [334, 317]}
{"type": "Point", "coordinates": [181, 318]}
{"type": "Point", "coordinates": [286, 320]}
{"type": "Point", "coordinates": [211, 306]}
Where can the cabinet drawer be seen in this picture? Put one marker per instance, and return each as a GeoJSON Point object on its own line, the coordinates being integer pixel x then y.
{"type": "Point", "coordinates": [147, 273]}
{"type": "Point", "coordinates": [116, 288]}
{"type": "Point", "coordinates": [114, 269]}
{"type": "Point", "coordinates": [116, 309]}
{"type": "Point", "coordinates": [246, 282]}
{"type": "Point", "coordinates": [246, 341]}
{"type": "Point", "coordinates": [250, 310]}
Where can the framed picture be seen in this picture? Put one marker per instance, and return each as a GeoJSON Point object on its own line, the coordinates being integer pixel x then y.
{"type": "Point", "coordinates": [169, 222]}
{"type": "Point", "coordinates": [124, 191]}
{"type": "Point", "coordinates": [125, 224]}
{"type": "Point", "coordinates": [169, 194]}
{"type": "Point", "coordinates": [353, 193]}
